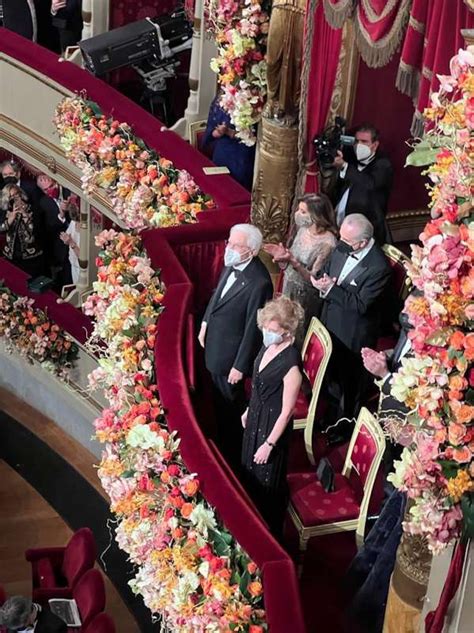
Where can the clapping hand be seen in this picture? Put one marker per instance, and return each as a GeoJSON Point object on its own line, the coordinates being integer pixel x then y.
{"type": "Point", "coordinates": [324, 283]}
{"type": "Point", "coordinates": [374, 362]}
{"type": "Point", "coordinates": [219, 131]}
{"type": "Point", "coordinates": [11, 215]}
{"type": "Point", "coordinates": [339, 161]}
{"type": "Point", "coordinates": [65, 237]}
{"type": "Point", "coordinates": [277, 251]}
{"type": "Point", "coordinates": [58, 4]}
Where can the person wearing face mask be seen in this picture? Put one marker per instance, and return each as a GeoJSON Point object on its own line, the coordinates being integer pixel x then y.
{"type": "Point", "coordinates": [364, 182]}
{"type": "Point", "coordinates": [24, 616]}
{"type": "Point", "coordinates": [267, 422]}
{"type": "Point", "coordinates": [229, 333]}
{"type": "Point", "coordinates": [54, 206]}
{"type": "Point", "coordinates": [311, 242]}
{"type": "Point", "coordinates": [351, 285]}
{"type": "Point", "coordinates": [10, 172]}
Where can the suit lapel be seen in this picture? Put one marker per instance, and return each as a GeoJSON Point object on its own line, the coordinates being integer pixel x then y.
{"type": "Point", "coordinates": [355, 272]}
{"type": "Point", "coordinates": [338, 262]}
{"type": "Point", "coordinates": [239, 284]}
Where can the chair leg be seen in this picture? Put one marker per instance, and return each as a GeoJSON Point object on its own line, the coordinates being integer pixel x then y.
{"type": "Point", "coordinates": [301, 555]}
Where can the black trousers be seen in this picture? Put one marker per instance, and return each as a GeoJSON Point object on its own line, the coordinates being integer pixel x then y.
{"type": "Point", "coordinates": [229, 403]}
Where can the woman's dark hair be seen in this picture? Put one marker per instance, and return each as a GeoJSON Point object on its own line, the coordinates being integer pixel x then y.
{"type": "Point", "coordinates": [321, 211]}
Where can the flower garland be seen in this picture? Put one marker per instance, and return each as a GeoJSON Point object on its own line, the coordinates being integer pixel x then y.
{"type": "Point", "coordinates": [145, 190]}
{"type": "Point", "coordinates": [240, 28]}
{"type": "Point", "coordinates": [28, 331]}
{"type": "Point", "coordinates": [437, 385]}
{"type": "Point", "coordinates": [191, 572]}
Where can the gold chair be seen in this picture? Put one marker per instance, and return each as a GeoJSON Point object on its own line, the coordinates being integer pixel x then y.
{"type": "Point", "coordinates": [317, 349]}
{"type": "Point", "coordinates": [316, 512]}
{"type": "Point", "coordinates": [196, 130]}
{"type": "Point", "coordinates": [398, 262]}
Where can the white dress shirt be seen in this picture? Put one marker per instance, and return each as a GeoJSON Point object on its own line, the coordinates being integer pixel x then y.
{"type": "Point", "coordinates": [232, 277]}
{"type": "Point", "coordinates": [341, 207]}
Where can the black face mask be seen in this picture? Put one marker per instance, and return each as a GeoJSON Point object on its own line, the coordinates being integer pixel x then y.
{"type": "Point", "coordinates": [404, 322]}
{"type": "Point", "coordinates": [9, 180]}
{"type": "Point", "coordinates": [344, 247]}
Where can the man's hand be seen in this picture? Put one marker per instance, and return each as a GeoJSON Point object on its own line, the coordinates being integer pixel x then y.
{"type": "Point", "coordinates": [235, 376]}
{"type": "Point", "coordinates": [58, 4]}
{"type": "Point", "coordinates": [374, 362]}
{"type": "Point", "coordinates": [339, 161]}
{"type": "Point", "coordinates": [244, 417]}
{"type": "Point", "coordinates": [202, 334]}
{"type": "Point", "coordinates": [324, 283]}
{"type": "Point", "coordinates": [262, 454]}
{"type": "Point", "coordinates": [65, 237]}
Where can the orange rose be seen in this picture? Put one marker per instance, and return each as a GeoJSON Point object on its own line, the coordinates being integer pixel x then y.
{"type": "Point", "coordinates": [165, 477]}
{"type": "Point", "coordinates": [177, 533]}
{"type": "Point", "coordinates": [255, 588]}
{"type": "Point", "coordinates": [457, 383]}
{"type": "Point", "coordinates": [462, 455]}
{"type": "Point", "coordinates": [456, 433]}
{"type": "Point", "coordinates": [469, 346]}
{"type": "Point", "coordinates": [191, 487]}
{"type": "Point", "coordinates": [251, 568]}
{"type": "Point", "coordinates": [255, 628]}
{"type": "Point", "coordinates": [464, 413]}
{"type": "Point", "coordinates": [456, 340]}
{"type": "Point", "coordinates": [186, 510]}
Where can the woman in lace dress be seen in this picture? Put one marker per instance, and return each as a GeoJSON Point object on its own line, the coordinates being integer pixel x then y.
{"type": "Point", "coordinates": [311, 242]}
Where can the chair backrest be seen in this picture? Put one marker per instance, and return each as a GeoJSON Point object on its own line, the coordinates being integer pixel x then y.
{"type": "Point", "coordinates": [317, 349]}
{"type": "Point", "coordinates": [89, 594]}
{"type": "Point", "coordinates": [3, 595]}
{"type": "Point", "coordinates": [79, 555]}
{"type": "Point", "coordinates": [364, 455]}
{"type": "Point", "coordinates": [102, 623]}
{"type": "Point", "coordinates": [398, 261]}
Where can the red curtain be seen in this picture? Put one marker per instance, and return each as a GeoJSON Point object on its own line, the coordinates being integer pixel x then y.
{"type": "Point", "coordinates": [126, 11]}
{"type": "Point", "coordinates": [433, 37]}
{"type": "Point", "coordinates": [324, 58]}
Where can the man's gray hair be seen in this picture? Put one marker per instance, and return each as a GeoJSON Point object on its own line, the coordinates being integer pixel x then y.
{"type": "Point", "coordinates": [13, 164]}
{"type": "Point", "coordinates": [15, 612]}
{"type": "Point", "coordinates": [254, 236]}
{"type": "Point", "coordinates": [362, 227]}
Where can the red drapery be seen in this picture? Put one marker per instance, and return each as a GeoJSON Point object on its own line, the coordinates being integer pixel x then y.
{"type": "Point", "coordinates": [126, 11]}
{"type": "Point", "coordinates": [378, 24]}
{"type": "Point", "coordinates": [432, 38]}
{"type": "Point", "coordinates": [321, 76]}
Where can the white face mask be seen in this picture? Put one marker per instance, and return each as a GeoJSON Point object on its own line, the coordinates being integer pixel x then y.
{"type": "Point", "coordinates": [363, 152]}
{"type": "Point", "coordinates": [271, 338]}
{"type": "Point", "coordinates": [233, 257]}
{"type": "Point", "coordinates": [302, 220]}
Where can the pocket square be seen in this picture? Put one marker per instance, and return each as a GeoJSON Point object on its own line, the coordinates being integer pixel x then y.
{"type": "Point", "coordinates": [353, 283]}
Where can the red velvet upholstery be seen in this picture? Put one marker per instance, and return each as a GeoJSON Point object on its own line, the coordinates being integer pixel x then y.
{"type": "Point", "coordinates": [312, 358]}
{"type": "Point", "coordinates": [315, 506]}
{"type": "Point", "coordinates": [363, 453]}
{"type": "Point", "coordinates": [301, 407]}
{"type": "Point", "coordinates": [399, 275]}
{"type": "Point", "coordinates": [57, 570]}
{"type": "Point", "coordinates": [102, 623]}
{"type": "Point", "coordinates": [3, 595]}
{"type": "Point", "coordinates": [89, 594]}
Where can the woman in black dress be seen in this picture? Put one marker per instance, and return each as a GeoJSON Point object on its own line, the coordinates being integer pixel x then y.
{"type": "Point", "coordinates": [275, 385]}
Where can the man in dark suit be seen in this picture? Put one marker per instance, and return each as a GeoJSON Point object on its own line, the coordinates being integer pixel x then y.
{"type": "Point", "coordinates": [364, 182]}
{"type": "Point", "coordinates": [351, 284]}
{"type": "Point", "coordinates": [21, 615]}
{"type": "Point", "coordinates": [229, 333]}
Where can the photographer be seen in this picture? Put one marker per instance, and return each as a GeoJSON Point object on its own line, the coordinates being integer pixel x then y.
{"type": "Point", "coordinates": [22, 227]}
{"type": "Point", "coordinates": [364, 181]}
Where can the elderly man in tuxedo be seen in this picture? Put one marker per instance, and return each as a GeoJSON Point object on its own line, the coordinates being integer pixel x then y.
{"type": "Point", "coordinates": [20, 614]}
{"type": "Point", "coordinates": [229, 333]}
{"type": "Point", "coordinates": [351, 283]}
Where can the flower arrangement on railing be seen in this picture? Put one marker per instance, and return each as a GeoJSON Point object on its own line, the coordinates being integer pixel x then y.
{"type": "Point", "coordinates": [146, 190]}
{"type": "Point", "coordinates": [191, 572]}
{"type": "Point", "coordinates": [437, 384]}
{"type": "Point", "coordinates": [240, 29]}
{"type": "Point", "coordinates": [28, 331]}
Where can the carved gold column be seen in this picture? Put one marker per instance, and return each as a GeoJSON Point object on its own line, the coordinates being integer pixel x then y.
{"type": "Point", "coordinates": [408, 585]}
{"type": "Point", "coordinates": [275, 179]}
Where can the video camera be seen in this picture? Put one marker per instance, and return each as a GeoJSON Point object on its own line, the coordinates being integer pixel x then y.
{"type": "Point", "coordinates": [330, 141]}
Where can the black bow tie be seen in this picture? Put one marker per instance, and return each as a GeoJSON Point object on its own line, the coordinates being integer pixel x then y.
{"type": "Point", "coordinates": [237, 272]}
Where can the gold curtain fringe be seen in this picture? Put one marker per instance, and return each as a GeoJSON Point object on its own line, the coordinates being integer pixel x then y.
{"type": "Point", "coordinates": [336, 15]}
{"type": "Point", "coordinates": [408, 80]}
{"type": "Point", "coordinates": [378, 54]}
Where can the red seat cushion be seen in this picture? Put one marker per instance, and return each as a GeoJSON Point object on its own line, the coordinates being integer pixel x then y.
{"type": "Point", "coordinates": [46, 577]}
{"type": "Point", "coordinates": [301, 407]}
{"type": "Point", "coordinates": [317, 507]}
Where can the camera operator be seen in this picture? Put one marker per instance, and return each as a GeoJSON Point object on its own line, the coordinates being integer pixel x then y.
{"type": "Point", "coordinates": [364, 181]}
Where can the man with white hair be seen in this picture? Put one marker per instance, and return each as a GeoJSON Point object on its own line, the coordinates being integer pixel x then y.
{"type": "Point", "coordinates": [352, 284]}
{"type": "Point", "coordinates": [20, 614]}
{"type": "Point", "coordinates": [229, 333]}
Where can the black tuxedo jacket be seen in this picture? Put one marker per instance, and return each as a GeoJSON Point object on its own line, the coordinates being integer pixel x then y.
{"type": "Point", "coordinates": [369, 193]}
{"type": "Point", "coordinates": [47, 622]}
{"type": "Point", "coordinates": [232, 336]}
{"type": "Point", "coordinates": [57, 251]}
{"type": "Point", "coordinates": [351, 311]}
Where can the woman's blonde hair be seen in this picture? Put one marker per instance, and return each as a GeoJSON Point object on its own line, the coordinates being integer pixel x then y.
{"type": "Point", "coordinates": [8, 192]}
{"type": "Point", "coordinates": [289, 314]}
